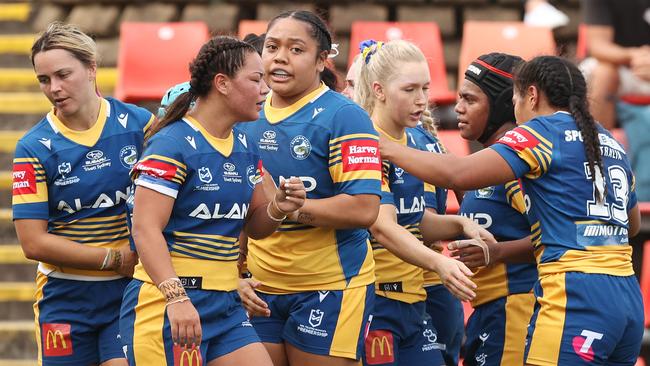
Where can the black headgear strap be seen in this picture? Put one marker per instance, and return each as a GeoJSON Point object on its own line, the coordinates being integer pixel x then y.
{"type": "Point", "coordinates": [492, 73]}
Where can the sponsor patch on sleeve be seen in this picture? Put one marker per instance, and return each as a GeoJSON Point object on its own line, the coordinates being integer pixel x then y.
{"type": "Point", "coordinates": [24, 179]}
{"type": "Point", "coordinates": [519, 139]}
{"type": "Point", "coordinates": [156, 169]}
{"type": "Point", "coordinates": [360, 155]}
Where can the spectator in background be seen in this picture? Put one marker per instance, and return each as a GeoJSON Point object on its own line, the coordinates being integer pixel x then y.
{"type": "Point", "coordinates": [539, 13]}
{"type": "Point", "coordinates": [618, 38]}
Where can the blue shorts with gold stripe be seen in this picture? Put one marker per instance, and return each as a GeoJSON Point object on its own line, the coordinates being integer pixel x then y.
{"type": "Point", "coordinates": [146, 332]}
{"type": "Point", "coordinates": [331, 323]}
{"type": "Point", "coordinates": [448, 319]}
{"type": "Point", "coordinates": [496, 331]}
{"type": "Point", "coordinates": [586, 319]}
{"type": "Point", "coordinates": [78, 320]}
{"type": "Point", "coordinates": [402, 334]}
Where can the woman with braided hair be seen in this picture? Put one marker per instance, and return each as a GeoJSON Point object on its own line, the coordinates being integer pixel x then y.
{"type": "Point", "coordinates": [315, 275]}
{"type": "Point", "coordinates": [196, 189]}
{"type": "Point", "coordinates": [582, 208]}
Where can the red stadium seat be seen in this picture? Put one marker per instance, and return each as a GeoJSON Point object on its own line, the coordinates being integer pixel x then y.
{"type": "Point", "coordinates": [425, 35]}
{"type": "Point", "coordinates": [155, 56]}
{"type": "Point", "coordinates": [251, 26]}
{"type": "Point", "coordinates": [515, 38]}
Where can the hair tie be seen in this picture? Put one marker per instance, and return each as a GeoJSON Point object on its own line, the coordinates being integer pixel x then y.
{"type": "Point", "coordinates": [334, 51]}
{"type": "Point", "coordinates": [367, 50]}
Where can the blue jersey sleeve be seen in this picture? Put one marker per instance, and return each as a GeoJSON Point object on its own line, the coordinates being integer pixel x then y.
{"type": "Point", "coordinates": [528, 149]}
{"type": "Point", "coordinates": [161, 167]}
{"type": "Point", "coordinates": [387, 197]}
{"type": "Point", "coordinates": [354, 162]}
{"type": "Point", "coordinates": [29, 185]}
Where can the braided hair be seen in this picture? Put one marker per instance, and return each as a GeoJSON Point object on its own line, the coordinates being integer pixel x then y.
{"type": "Point", "coordinates": [220, 55]}
{"type": "Point", "coordinates": [319, 33]}
{"type": "Point", "coordinates": [564, 86]}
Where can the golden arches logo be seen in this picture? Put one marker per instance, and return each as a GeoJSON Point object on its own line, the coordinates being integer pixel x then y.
{"type": "Point", "coordinates": [52, 335]}
{"type": "Point", "coordinates": [188, 358]}
{"type": "Point", "coordinates": [384, 345]}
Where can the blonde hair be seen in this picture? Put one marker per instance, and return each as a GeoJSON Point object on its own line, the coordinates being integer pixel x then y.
{"type": "Point", "coordinates": [67, 37]}
{"type": "Point", "coordinates": [382, 62]}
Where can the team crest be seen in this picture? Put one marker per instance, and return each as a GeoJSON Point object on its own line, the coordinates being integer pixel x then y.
{"type": "Point", "coordinates": [300, 147]}
{"type": "Point", "coordinates": [65, 168]}
{"type": "Point", "coordinates": [315, 317]}
{"type": "Point", "coordinates": [251, 176]}
{"type": "Point", "coordinates": [129, 156]}
{"type": "Point", "coordinates": [205, 175]}
{"type": "Point", "coordinates": [485, 192]}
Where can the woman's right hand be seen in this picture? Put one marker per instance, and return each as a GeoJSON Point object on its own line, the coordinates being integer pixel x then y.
{"type": "Point", "coordinates": [253, 304]}
{"type": "Point", "coordinates": [185, 324]}
{"type": "Point", "coordinates": [455, 277]}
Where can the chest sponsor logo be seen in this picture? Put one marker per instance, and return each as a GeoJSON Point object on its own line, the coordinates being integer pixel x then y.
{"type": "Point", "coordinates": [64, 169]}
{"type": "Point", "coordinates": [409, 206]}
{"type": "Point", "coordinates": [300, 147]}
{"type": "Point", "coordinates": [23, 179]}
{"type": "Point", "coordinates": [128, 156]}
{"type": "Point", "coordinates": [268, 141]}
{"type": "Point", "coordinates": [484, 192]}
{"type": "Point", "coordinates": [187, 356]}
{"type": "Point", "coordinates": [230, 173]}
{"type": "Point", "coordinates": [482, 219]}
{"type": "Point", "coordinates": [102, 201]}
{"type": "Point", "coordinates": [309, 182]}
{"type": "Point", "coordinates": [360, 155]}
{"type": "Point", "coordinates": [236, 212]}
{"type": "Point", "coordinates": [56, 339]}
{"type": "Point", "coordinates": [582, 344]}
{"type": "Point", "coordinates": [379, 346]}
{"type": "Point", "coordinates": [96, 160]}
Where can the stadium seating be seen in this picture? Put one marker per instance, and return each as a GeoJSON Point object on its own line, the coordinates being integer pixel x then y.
{"type": "Point", "coordinates": [251, 26]}
{"type": "Point", "coordinates": [424, 34]}
{"type": "Point", "coordinates": [515, 38]}
{"type": "Point", "coordinates": [154, 56]}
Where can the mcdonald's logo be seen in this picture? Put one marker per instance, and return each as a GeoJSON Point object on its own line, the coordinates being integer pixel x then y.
{"type": "Point", "coordinates": [379, 347]}
{"type": "Point", "coordinates": [56, 339]}
{"type": "Point", "coordinates": [187, 356]}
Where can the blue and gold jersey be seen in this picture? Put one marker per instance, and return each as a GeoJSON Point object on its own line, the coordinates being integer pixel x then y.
{"type": "Point", "coordinates": [500, 210]}
{"type": "Point", "coordinates": [328, 141]}
{"type": "Point", "coordinates": [212, 181]}
{"type": "Point", "coordinates": [434, 197]}
{"type": "Point", "coordinates": [79, 180]}
{"type": "Point", "coordinates": [569, 228]}
{"type": "Point", "coordinates": [397, 279]}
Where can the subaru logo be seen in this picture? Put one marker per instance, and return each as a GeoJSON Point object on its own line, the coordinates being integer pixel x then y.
{"type": "Point", "coordinates": [94, 155]}
{"type": "Point", "coordinates": [269, 135]}
{"type": "Point", "coordinates": [229, 167]}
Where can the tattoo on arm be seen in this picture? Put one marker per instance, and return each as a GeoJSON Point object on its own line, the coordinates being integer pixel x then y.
{"type": "Point", "coordinates": [306, 218]}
